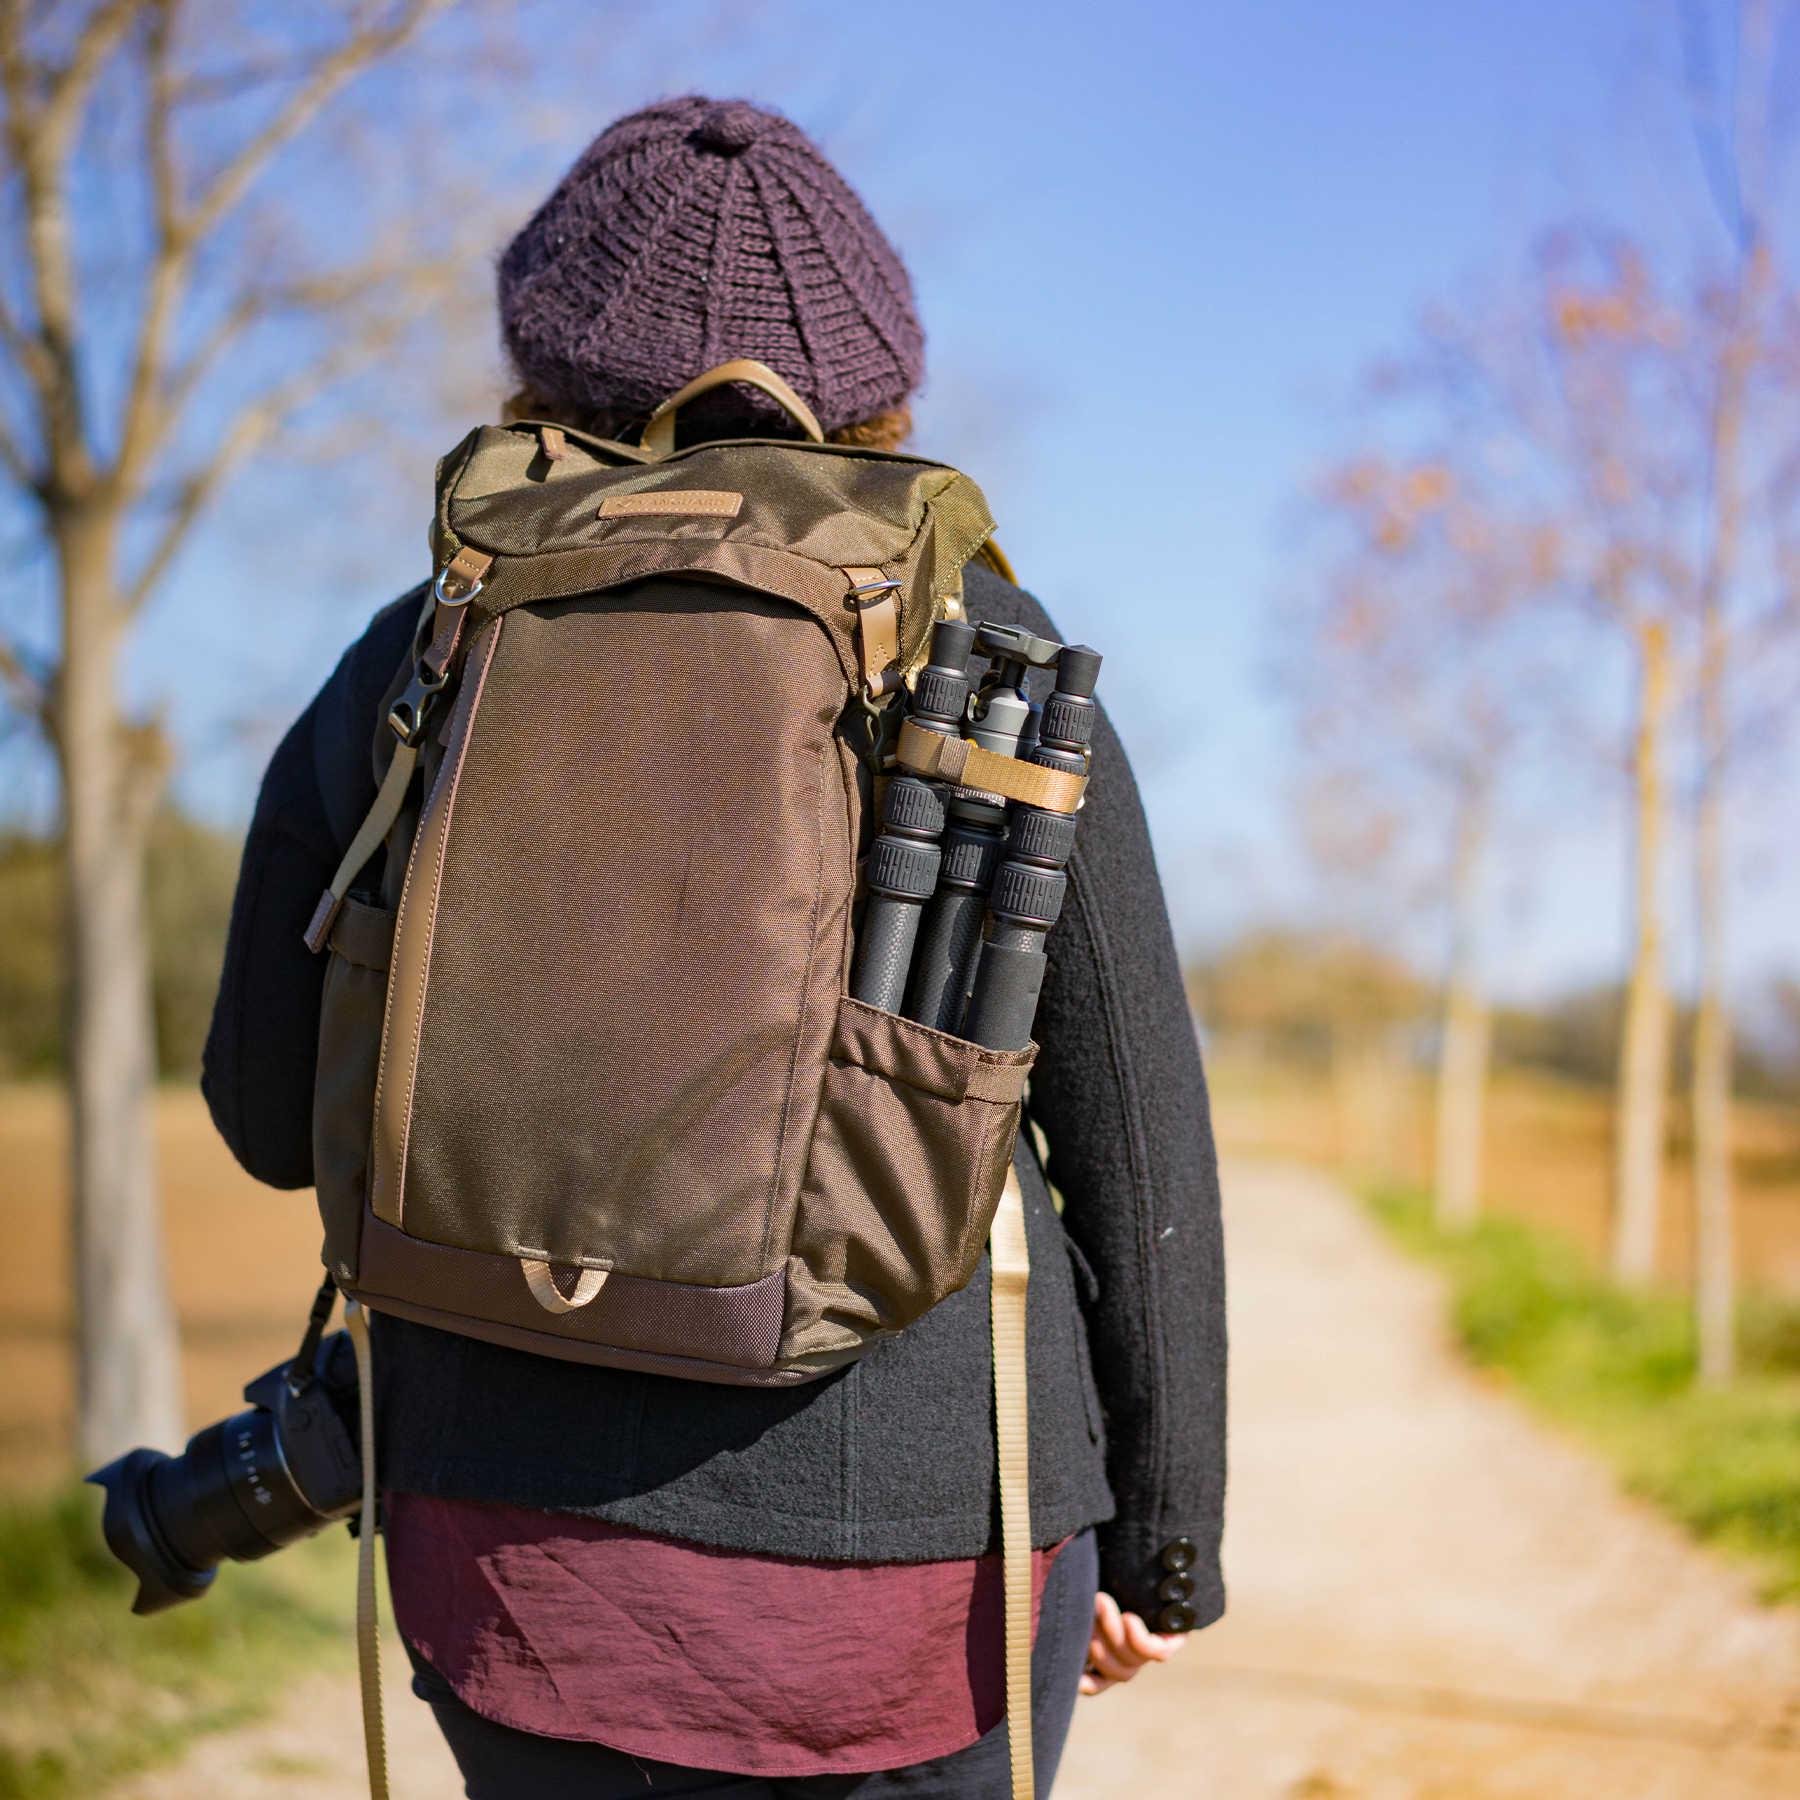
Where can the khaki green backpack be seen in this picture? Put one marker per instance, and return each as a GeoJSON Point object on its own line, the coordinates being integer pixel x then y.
{"type": "Point", "coordinates": [589, 1081]}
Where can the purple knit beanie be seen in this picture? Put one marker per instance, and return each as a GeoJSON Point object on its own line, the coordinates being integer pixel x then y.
{"type": "Point", "coordinates": [693, 232]}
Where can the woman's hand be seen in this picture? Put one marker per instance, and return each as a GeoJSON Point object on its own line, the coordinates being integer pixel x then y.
{"type": "Point", "coordinates": [1121, 1645]}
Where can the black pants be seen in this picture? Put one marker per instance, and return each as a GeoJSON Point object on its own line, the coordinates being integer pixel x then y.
{"type": "Point", "coordinates": [499, 1763]}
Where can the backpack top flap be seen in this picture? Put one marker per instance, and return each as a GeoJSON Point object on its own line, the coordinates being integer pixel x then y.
{"type": "Point", "coordinates": [784, 516]}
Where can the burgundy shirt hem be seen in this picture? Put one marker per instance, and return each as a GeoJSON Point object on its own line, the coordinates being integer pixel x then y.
{"type": "Point", "coordinates": [568, 1627]}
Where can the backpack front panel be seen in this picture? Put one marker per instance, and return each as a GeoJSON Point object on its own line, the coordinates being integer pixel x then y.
{"type": "Point", "coordinates": [624, 1109]}
{"type": "Point", "coordinates": [614, 931]}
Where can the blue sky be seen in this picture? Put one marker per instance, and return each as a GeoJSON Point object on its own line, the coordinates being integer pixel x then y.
{"type": "Point", "coordinates": [1154, 244]}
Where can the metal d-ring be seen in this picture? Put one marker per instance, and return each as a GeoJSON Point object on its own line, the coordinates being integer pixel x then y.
{"type": "Point", "coordinates": [447, 599]}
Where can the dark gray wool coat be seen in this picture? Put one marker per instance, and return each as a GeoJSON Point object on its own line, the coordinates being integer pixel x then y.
{"type": "Point", "coordinates": [891, 1460]}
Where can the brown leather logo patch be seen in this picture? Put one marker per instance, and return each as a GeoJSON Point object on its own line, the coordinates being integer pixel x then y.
{"type": "Point", "coordinates": [720, 503]}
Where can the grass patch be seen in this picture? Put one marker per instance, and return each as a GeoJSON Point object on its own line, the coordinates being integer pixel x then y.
{"type": "Point", "coordinates": [1618, 1368]}
{"type": "Point", "coordinates": [89, 1693]}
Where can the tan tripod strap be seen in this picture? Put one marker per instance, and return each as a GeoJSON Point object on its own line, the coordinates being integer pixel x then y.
{"type": "Point", "coordinates": [659, 432]}
{"type": "Point", "coordinates": [956, 759]}
{"type": "Point", "coordinates": [368, 1623]}
{"type": "Point", "coordinates": [1011, 1264]}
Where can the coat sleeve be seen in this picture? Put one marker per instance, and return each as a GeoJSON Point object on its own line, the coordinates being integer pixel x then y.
{"type": "Point", "coordinates": [257, 1071]}
{"type": "Point", "coordinates": [1120, 1096]}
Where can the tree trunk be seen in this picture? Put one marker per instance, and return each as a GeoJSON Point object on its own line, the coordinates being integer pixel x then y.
{"type": "Point", "coordinates": [1715, 1273]}
{"type": "Point", "coordinates": [1644, 1048]}
{"type": "Point", "coordinates": [128, 1370]}
{"type": "Point", "coordinates": [1463, 1056]}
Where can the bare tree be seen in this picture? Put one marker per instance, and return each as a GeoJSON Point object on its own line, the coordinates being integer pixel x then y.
{"type": "Point", "coordinates": [1742, 349]}
{"type": "Point", "coordinates": [115, 474]}
{"type": "Point", "coordinates": [1416, 670]}
{"type": "Point", "coordinates": [1574, 375]}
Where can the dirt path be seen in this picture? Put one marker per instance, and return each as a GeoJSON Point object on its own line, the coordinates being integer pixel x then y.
{"type": "Point", "coordinates": [1432, 1599]}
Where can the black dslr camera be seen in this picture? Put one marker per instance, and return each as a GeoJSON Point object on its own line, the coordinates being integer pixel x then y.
{"type": "Point", "coordinates": [256, 1482]}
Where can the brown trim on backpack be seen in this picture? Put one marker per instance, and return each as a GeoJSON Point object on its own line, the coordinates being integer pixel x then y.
{"type": "Point", "coordinates": [414, 925]}
{"type": "Point", "coordinates": [466, 570]}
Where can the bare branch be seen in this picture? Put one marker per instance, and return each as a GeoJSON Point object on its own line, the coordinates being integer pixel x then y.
{"type": "Point", "coordinates": [365, 45]}
{"type": "Point", "coordinates": [254, 425]}
{"type": "Point", "coordinates": [17, 464]}
{"type": "Point", "coordinates": [144, 416]}
{"type": "Point", "coordinates": [38, 139]}
{"type": "Point", "coordinates": [203, 86]}
{"type": "Point", "coordinates": [100, 37]}
{"type": "Point", "coordinates": [26, 351]}
{"type": "Point", "coordinates": [28, 689]}
{"type": "Point", "coordinates": [155, 396]}
{"type": "Point", "coordinates": [320, 294]}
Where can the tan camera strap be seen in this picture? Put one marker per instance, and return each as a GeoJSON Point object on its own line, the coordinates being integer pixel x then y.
{"type": "Point", "coordinates": [368, 1619]}
{"type": "Point", "coordinates": [1010, 1259]}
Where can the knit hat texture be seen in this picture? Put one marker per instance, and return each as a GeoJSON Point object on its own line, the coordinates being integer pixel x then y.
{"type": "Point", "coordinates": [693, 232]}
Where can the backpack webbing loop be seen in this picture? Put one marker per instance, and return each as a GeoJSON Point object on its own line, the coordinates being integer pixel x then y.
{"type": "Point", "coordinates": [389, 798]}
{"type": "Point", "coordinates": [876, 599]}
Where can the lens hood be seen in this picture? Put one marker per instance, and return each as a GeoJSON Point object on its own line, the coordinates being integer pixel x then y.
{"type": "Point", "coordinates": [129, 1525]}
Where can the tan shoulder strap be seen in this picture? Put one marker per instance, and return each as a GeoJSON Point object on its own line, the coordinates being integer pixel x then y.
{"type": "Point", "coordinates": [996, 559]}
{"type": "Point", "coordinates": [389, 798]}
{"type": "Point", "coordinates": [659, 432]}
{"type": "Point", "coordinates": [1011, 1264]}
{"type": "Point", "coordinates": [446, 608]}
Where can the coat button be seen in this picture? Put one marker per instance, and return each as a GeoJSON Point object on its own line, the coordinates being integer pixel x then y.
{"type": "Point", "coordinates": [1178, 1554]}
{"type": "Point", "coordinates": [1175, 1587]}
{"type": "Point", "coordinates": [1177, 1618]}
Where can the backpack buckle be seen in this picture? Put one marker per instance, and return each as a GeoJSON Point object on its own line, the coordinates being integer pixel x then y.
{"type": "Point", "coordinates": [877, 719]}
{"type": "Point", "coordinates": [411, 713]}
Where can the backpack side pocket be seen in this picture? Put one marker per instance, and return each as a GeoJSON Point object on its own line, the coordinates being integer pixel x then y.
{"type": "Point", "coordinates": [914, 1136]}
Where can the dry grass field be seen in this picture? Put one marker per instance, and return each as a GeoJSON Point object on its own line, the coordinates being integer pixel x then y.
{"type": "Point", "coordinates": [1547, 1154]}
{"type": "Point", "coordinates": [243, 1259]}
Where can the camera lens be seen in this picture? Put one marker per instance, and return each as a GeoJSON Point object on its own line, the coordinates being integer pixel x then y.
{"type": "Point", "coordinates": [249, 1485]}
{"type": "Point", "coordinates": [173, 1519]}
{"type": "Point", "coordinates": [230, 1495]}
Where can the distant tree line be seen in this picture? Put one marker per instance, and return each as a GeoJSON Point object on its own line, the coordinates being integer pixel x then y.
{"type": "Point", "coordinates": [1561, 554]}
{"type": "Point", "coordinates": [191, 869]}
{"type": "Point", "coordinates": [1312, 999]}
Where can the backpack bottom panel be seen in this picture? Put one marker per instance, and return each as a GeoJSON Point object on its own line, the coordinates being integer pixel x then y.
{"type": "Point", "coordinates": [724, 1334]}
